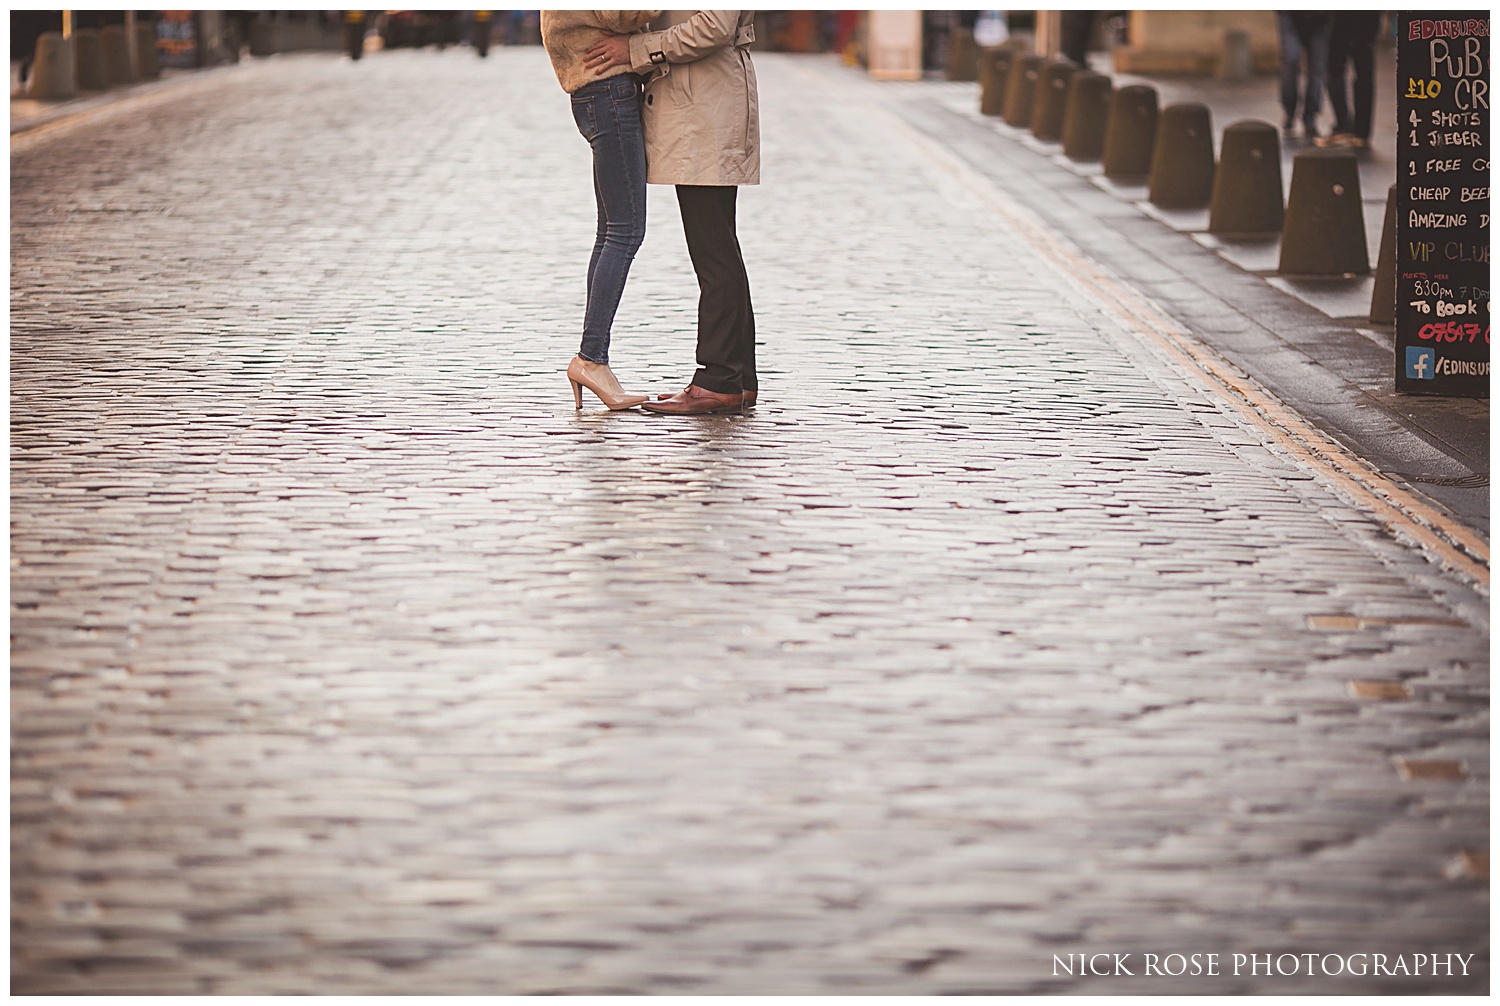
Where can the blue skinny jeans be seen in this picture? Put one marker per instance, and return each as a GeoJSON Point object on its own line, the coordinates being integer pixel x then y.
{"type": "Point", "coordinates": [608, 114]}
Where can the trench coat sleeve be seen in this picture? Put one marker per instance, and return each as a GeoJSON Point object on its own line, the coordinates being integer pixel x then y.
{"type": "Point", "coordinates": [698, 36]}
{"type": "Point", "coordinates": [623, 22]}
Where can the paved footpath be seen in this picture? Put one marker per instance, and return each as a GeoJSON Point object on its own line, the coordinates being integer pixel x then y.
{"type": "Point", "coordinates": [348, 658]}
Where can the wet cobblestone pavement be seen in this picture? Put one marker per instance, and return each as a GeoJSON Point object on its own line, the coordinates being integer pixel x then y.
{"type": "Point", "coordinates": [347, 657]}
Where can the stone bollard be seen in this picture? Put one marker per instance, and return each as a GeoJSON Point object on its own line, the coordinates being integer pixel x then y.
{"type": "Point", "coordinates": [1086, 116]}
{"type": "Point", "coordinates": [1020, 90]}
{"type": "Point", "coordinates": [1247, 185]}
{"type": "Point", "coordinates": [1236, 63]}
{"type": "Point", "coordinates": [1383, 297]}
{"type": "Point", "coordinates": [1051, 99]}
{"type": "Point", "coordinates": [116, 55]}
{"type": "Point", "coordinates": [1130, 134]}
{"type": "Point", "coordinates": [88, 51]}
{"type": "Point", "coordinates": [54, 71]}
{"type": "Point", "coordinates": [1324, 232]}
{"type": "Point", "coordinates": [148, 66]}
{"type": "Point", "coordinates": [963, 55]}
{"type": "Point", "coordinates": [1182, 165]}
{"type": "Point", "coordinates": [994, 69]}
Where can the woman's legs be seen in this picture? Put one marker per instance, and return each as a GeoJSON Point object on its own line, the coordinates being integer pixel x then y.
{"type": "Point", "coordinates": [608, 113]}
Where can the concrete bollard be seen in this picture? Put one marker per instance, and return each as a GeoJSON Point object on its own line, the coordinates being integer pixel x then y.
{"type": "Point", "coordinates": [1324, 232]}
{"type": "Point", "coordinates": [963, 55]}
{"type": "Point", "coordinates": [1236, 63]}
{"type": "Point", "coordinates": [1086, 116]}
{"type": "Point", "coordinates": [116, 55]}
{"type": "Point", "coordinates": [1247, 184]}
{"type": "Point", "coordinates": [1020, 90]}
{"type": "Point", "coordinates": [88, 51]}
{"type": "Point", "coordinates": [1383, 297]}
{"type": "Point", "coordinates": [1051, 99]}
{"type": "Point", "coordinates": [1130, 134]}
{"type": "Point", "coordinates": [994, 69]}
{"type": "Point", "coordinates": [54, 70]}
{"type": "Point", "coordinates": [148, 66]}
{"type": "Point", "coordinates": [1182, 165]}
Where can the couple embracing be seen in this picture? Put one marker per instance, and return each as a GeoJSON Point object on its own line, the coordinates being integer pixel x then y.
{"type": "Point", "coordinates": [667, 98]}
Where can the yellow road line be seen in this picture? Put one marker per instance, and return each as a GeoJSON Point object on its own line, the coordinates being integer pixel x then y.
{"type": "Point", "coordinates": [1401, 511]}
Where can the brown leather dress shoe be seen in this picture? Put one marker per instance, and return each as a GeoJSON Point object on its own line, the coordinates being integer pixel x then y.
{"type": "Point", "coordinates": [750, 397]}
{"type": "Point", "coordinates": [696, 401]}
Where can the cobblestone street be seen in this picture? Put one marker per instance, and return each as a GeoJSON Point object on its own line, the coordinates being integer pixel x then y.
{"type": "Point", "coordinates": [348, 658]}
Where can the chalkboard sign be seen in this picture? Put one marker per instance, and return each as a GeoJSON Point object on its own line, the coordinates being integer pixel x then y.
{"type": "Point", "coordinates": [1443, 203]}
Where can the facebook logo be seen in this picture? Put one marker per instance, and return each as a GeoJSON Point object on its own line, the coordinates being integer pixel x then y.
{"type": "Point", "coordinates": [1421, 363]}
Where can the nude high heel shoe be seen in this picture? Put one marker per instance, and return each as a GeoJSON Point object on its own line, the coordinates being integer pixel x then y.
{"type": "Point", "coordinates": [598, 378]}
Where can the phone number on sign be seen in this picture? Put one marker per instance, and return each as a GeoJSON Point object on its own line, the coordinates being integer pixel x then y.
{"type": "Point", "coordinates": [1453, 331]}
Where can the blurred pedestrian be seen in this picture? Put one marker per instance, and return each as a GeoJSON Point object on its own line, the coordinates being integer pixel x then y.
{"type": "Point", "coordinates": [1076, 29]}
{"type": "Point", "coordinates": [607, 109]}
{"type": "Point", "coordinates": [846, 36]}
{"type": "Point", "coordinates": [702, 120]}
{"type": "Point", "coordinates": [1352, 42]}
{"type": "Point", "coordinates": [1304, 53]}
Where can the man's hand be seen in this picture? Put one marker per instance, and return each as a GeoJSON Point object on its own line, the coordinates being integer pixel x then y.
{"type": "Point", "coordinates": [612, 50]}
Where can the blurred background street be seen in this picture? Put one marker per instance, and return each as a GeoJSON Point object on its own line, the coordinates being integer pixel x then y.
{"type": "Point", "coordinates": [347, 657]}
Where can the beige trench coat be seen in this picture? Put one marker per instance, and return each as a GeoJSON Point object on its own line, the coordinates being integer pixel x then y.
{"type": "Point", "coordinates": [702, 111]}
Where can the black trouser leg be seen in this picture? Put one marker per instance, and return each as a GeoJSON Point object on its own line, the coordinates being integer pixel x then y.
{"type": "Point", "coordinates": [726, 320]}
{"type": "Point", "coordinates": [1366, 27]}
{"type": "Point", "coordinates": [1364, 92]}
